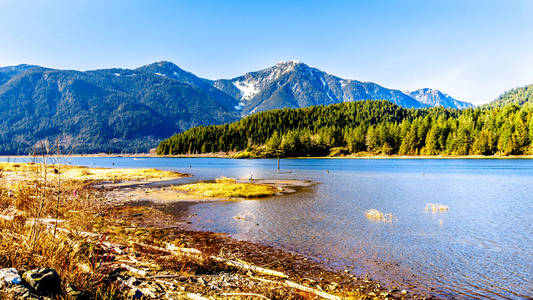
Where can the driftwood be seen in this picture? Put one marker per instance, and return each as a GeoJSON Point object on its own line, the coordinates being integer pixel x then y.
{"type": "Point", "coordinates": [248, 267]}
{"type": "Point", "coordinates": [304, 288]}
{"type": "Point", "coordinates": [193, 296]}
{"type": "Point", "coordinates": [246, 294]}
{"type": "Point", "coordinates": [140, 273]}
{"type": "Point", "coordinates": [169, 250]}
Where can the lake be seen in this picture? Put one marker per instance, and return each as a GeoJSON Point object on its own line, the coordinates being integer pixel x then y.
{"type": "Point", "coordinates": [482, 247]}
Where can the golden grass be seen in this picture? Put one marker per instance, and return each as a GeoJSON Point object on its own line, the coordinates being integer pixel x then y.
{"type": "Point", "coordinates": [79, 173]}
{"type": "Point", "coordinates": [29, 237]}
{"type": "Point", "coordinates": [224, 179]}
{"type": "Point", "coordinates": [228, 189]}
{"type": "Point", "coordinates": [101, 174]}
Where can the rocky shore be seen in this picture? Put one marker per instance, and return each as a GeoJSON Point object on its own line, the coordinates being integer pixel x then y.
{"type": "Point", "coordinates": [103, 246]}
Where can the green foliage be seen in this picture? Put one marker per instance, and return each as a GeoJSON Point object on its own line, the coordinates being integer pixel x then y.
{"type": "Point", "coordinates": [378, 127]}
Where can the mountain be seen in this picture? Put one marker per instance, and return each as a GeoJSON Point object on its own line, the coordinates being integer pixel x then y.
{"type": "Point", "coordinates": [294, 84]}
{"type": "Point", "coordinates": [170, 70]}
{"type": "Point", "coordinates": [7, 73]}
{"type": "Point", "coordinates": [122, 110]}
{"type": "Point", "coordinates": [111, 110]}
{"type": "Point", "coordinates": [518, 96]}
{"type": "Point", "coordinates": [433, 97]}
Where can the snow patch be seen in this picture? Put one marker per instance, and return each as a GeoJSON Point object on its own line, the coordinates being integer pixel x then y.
{"type": "Point", "coordinates": [239, 106]}
{"type": "Point", "coordinates": [343, 83]}
{"type": "Point", "coordinates": [248, 89]}
{"type": "Point", "coordinates": [159, 74]}
{"type": "Point", "coordinates": [326, 87]}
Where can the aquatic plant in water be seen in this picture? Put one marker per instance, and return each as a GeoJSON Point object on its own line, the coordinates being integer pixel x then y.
{"type": "Point", "coordinates": [435, 208]}
{"type": "Point", "coordinates": [374, 214]}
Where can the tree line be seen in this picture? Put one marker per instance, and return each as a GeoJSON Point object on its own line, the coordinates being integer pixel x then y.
{"type": "Point", "coordinates": [375, 127]}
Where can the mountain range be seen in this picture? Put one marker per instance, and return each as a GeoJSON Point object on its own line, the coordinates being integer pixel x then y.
{"type": "Point", "coordinates": [123, 110]}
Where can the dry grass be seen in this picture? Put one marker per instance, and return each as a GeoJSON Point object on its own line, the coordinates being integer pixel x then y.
{"type": "Point", "coordinates": [43, 221]}
{"type": "Point", "coordinates": [228, 189]}
{"type": "Point", "coordinates": [224, 179]}
{"type": "Point", "coordinates": [85, 174]}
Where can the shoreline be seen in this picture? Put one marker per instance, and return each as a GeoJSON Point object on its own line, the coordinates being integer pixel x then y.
{"type": "Point", "coordinates": [230, 156]}
{"type": "Point", "coordinates": [150, 251]}
{"type": "Point", "coordinates": [315, 273]}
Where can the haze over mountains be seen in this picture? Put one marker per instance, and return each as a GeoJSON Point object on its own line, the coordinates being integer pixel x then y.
{"type": "Point", "coordinates": [121, 110]}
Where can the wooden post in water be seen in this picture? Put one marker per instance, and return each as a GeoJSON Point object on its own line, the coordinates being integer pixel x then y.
{"type": "Point", "coordinates": [278, 163]}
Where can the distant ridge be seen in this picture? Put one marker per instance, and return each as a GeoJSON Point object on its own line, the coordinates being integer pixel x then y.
{"type": "Point", "coordinates": [123, 110]}
{"type": "Point", "coordinates": [437, 98]}
{"type": "Point", "coordinates": [294, 84]}
{"type": "Point", "coordinates": [518, 96]}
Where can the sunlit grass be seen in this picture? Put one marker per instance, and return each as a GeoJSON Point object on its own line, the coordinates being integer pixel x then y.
{"type": "Point", "coordinates": [228, 188]}
{"type": "Point", "coordinates": [79, 173]}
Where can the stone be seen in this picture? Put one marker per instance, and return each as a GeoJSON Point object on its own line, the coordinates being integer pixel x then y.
{"type": "Point", "coordinates": [44, 281]}
{"type": "Point", "coordinates": [9, 276]}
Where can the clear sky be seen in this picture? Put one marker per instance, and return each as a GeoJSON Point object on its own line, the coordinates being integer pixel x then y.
{"type": "Point", "coordinates": [472, 50]}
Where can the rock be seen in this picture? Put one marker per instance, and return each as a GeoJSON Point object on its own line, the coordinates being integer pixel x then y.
{"type": "Point", "coordinates": [135, 293]}
{"type": "Point", "coordinates": [333, 286]}
{"type": "Point", "coordinates": [9, 276]}
{"type": "Point", "coordinates": [404, 292]}
{"type": "Point", "coordinates": [44, 281]}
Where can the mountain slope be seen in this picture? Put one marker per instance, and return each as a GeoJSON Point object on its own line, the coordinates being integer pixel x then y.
{"type": "Point", "coordinates": [294, 84]}
{"type": "Point", "coordinates": [7, 73]}
{"type": "Point", "coordinates": [116, 110]}
{"type": "Point", "coordinates": [518, 96]}
{"type": "Point", "coordinates": [170, 70]}
{"type": "Point", "coordinates": [111, 110]}
{"type": "Point", "coordinates": [436, 98]}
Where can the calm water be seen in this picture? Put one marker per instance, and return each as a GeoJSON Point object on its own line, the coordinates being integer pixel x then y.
{"type": "Point", "coordinates": [482, 247]}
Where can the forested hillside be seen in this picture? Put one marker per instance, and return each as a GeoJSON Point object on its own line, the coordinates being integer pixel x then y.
{"type": "Point", "coordinates": [378, 127]}
{"type": "Point", "coordinates": [113, 110]}
{"type": "Point", "coordinates": [516, 96]}
{"type": "Point", "coordinates": [122, 110]}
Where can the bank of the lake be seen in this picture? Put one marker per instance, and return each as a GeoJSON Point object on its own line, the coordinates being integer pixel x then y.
{"type": "Point", "coordinates": [138, 250]}
{"type": "Point", "coordinates": [443, 253]}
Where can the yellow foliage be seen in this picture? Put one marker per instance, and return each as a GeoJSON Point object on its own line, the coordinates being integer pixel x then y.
{"type": "Point", "coordinates": [228, 189]}
{"type": "Point", "coordinates": [224, 179]}
{"type": "Point", "coordinates": [78, 173]}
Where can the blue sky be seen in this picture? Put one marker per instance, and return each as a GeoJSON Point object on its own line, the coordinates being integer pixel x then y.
{"type": "Point", "coordinates": [472, 50]}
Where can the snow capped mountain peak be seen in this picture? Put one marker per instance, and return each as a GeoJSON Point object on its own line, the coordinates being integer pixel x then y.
{"type": "Point", "coordinates": [434, 97]}
{"type": "Point", "coordinates": [289, 62]}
